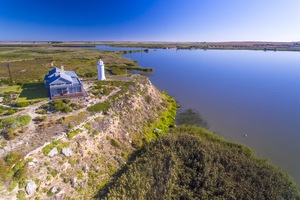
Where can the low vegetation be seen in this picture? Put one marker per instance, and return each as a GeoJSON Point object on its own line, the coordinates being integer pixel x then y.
{"type": "Point", "coordinates": [164, 122]}
{"type": "Point", "coordinates": [31, 63]}
{"type": "Point", "coordinates": [7, 110]}
{"type": "Point", "coordinates": [57, 143]}
{"type": "Point", "coordinates": [100, 107]}
{"type": "Point", "coordinates": [191, 117]}
{"type": "Point", "coordinates": [192, 163]}
{"type": "Point", "coordinates": [58, 105]}
{"type": "Point", "coordinates": [13, 170]}
{"type": "Point", "coordinates": [73, 133]}
{"type": "Point", "coordinates": [10, 124]}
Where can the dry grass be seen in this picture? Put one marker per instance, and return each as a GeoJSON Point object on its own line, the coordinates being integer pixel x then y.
{"type": "Point", "coordinates": [76, 119]}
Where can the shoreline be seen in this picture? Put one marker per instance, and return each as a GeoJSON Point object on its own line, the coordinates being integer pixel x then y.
{"type": "Point", "coordinates": [264, 46]}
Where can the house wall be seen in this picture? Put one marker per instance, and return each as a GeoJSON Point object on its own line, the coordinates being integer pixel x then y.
{"type": "Point", "coordinates": [59, 90]}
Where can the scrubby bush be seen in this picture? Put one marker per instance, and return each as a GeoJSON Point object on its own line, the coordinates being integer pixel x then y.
{"type": "Point", "coordinates": [114, 143]}
{"type": "Point", "coordinates": [13, 170]}
{"type": "Point", "coordinates": [22, 104]}
{"type": "Point", "coordinates": [24, 120]}
{"type": "Point", "coordinates": [12, 122]}
{"type": "Point", "coordinates": [73, 133]}
{"type": "Point", "coordinates": [12, 158]}
{"type": "Point", "coordinates": [50, 146]}
{"type": "Point", "coordinates": [100, 107]}
{"type": "Point", "coordinates": [21, 195]}
{"type": "Point", "coordinates": [59, 105]}
{"type": "Point", "coordinates": [192, 163]}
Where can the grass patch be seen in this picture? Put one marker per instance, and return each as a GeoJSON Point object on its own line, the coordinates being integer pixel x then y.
{"type": "Point", "coordinates": [75, 119]}
{"type": "Point", "coordinates": [10, 124]}
{"type": "Point", "coordinates": [165, 121]}
{"type": "Point", "coordinates": [13, 170]}
{"type": "Point", "coordinates": [114, 143]}
{"type": "Point", "coordinates": [21, 195]}
{"type": "Point", "coordinates": [73, 133]}
{"type": "Point", "coordinates": [57, 143]}
{"type": "Point", "coordinates": [7, 110]}
{"type": "Point", "coordinates": [14, 88]}
{"type": "Point", "coordinates": [100, 107]}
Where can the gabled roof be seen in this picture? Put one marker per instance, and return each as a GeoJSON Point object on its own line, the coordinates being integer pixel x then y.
{"type": "Point", "coordinates": [72, 74]}
{"type": "Point", "coordinates": [58, 76]}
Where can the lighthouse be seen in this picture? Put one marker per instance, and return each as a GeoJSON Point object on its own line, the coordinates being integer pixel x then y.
{"type": "Point", "coordinates": [101, 74]}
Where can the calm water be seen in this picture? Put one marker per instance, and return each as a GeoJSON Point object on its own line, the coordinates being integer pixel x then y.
{"type": "Point", "coordinates": [110, 48]}
{"type": "Point", "coordinates": [238, 92]}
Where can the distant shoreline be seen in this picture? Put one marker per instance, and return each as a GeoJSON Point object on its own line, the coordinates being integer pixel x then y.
{"type": "Point", "coordinates": [265, 46]}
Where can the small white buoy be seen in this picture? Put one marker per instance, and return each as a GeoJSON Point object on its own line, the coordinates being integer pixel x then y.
{"type": "Point", "coordinates": [245, 135]}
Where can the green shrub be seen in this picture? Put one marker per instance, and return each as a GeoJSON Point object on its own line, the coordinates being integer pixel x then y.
{"type": "Point", "coordinates": [6, 122]}
{"type": "Point", "coordinates": [95, 132]}
{"type": "Point", "coordinates": [22, 104]}
{"type": "Point", "coordinates": [50, 146]}
{"type": "Point", "coordinates": [22, 183]}
{"type": "Point", "coordinates": [21, 195]}
{"type": "Point", "coordinates": [66, 101]}
{"type": "Point", "coordinates": [148, 99]}
{"type": "Point", "coordinates": [79, 174]}
{"type": "Point", "coordinates": [11, 122]}
{"type": "Point", "coordinates": [24, 120]}
{"type": "Point", "coordinates": [12, 185]}
{"type": "Point", "coordinates": [62, 145]}
{"type": "Point", "coordinates": [192, 163]}
{"type": "Point", "coordinates": [114, 143]}
{"type": "Point", "coordinates": [12, 158]}
{"type": "Point", "coordinates": [72, 162]}
{"type": "Point", "coordinates": [53, 172]}
{"type": "Point", "coordinates": [73, 133]}
{"type": "Point", "coordinates": [50, 193]}
{"type": "Point", "coordinates": [59, 105]}
{"type": "Point", "coordinates": [5, 172]}
{"type": "Point", "coordinates": [100, 107]}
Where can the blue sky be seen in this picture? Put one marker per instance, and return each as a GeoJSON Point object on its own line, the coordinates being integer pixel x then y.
{"type": "Point", "coordinates": [150, 20]}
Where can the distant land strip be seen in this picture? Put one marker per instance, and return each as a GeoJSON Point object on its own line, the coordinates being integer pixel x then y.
{"type": "Point", "coordinates": [265, 46]}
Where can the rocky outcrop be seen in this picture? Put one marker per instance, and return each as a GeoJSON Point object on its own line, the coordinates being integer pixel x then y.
{"type": "Point", "coordinates": [53, 152]}
{"type": "Point", "coordinates": [30, 187]}
{"type": "Point", "coordinates": [67, 151]}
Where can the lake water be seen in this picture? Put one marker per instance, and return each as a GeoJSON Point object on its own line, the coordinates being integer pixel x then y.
{"type": "Point", "coordinates": [253, 93]}
{"type": "Point", "coordinates": [111, 48]}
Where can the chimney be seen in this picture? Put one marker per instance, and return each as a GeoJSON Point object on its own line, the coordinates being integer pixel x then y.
{"type": "Point", "coordinates": [62, 68]}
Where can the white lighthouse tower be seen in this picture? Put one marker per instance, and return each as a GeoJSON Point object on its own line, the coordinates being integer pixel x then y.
{"type": "Point", "coordinates": [101, 74]}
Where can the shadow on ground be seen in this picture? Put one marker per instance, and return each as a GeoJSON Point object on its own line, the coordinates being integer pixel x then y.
{"type": "Point", "coordinates": [31, 91]}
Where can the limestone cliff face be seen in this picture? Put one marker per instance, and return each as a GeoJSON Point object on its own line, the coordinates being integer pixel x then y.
{"type": "Point", "coordinates": [88, 153]}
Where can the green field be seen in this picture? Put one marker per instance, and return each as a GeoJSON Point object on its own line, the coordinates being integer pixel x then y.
{"type": "Point", "coordinates": [31, 64]}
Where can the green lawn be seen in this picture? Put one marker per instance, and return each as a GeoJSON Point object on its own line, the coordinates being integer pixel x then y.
{"type": "Point", "coordinates": [15, 88]}
{"type": "Point", "coordinates": [33, 92]}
